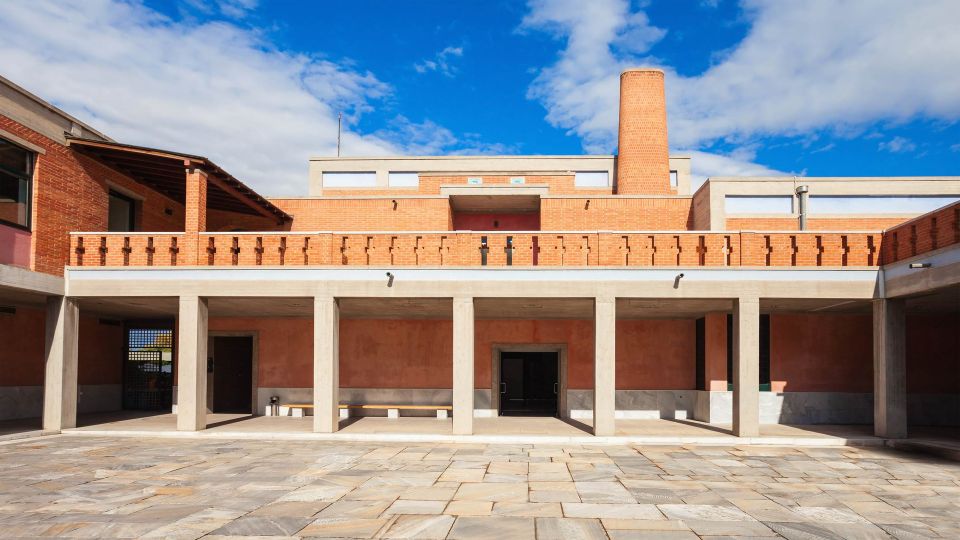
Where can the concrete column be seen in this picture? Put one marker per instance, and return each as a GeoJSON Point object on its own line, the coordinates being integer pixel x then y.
{"type": "Point", "coordinates": [463, 366]}
{"type": "Point", "coordinates": [326, 364]}
{"type": "Point", "coordinates": [889, 369]}
{"type": "Point", "coordinates": [192, 364]}
{"type": "Point", "coordinates": [746, 367]}
{"type": "Point", "coordinates": [604, 367]}
{"type": "Point", "coordinates": [60, 379]}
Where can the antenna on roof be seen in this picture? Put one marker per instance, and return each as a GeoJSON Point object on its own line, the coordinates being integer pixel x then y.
{"type": "Point", "coordinates": [339, 123]}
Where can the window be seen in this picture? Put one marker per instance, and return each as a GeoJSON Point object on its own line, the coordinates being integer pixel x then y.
{"type": "Point", "coordinates": [16, 179]}
{"type": "Point", "coordinates": [122, 213]}
{"type": "Point", "coordinates": [674, 179]}
{"type": "Point", "coordinates": [349, 179]}
{"type": "Point", "coordinates": [591, 179]}
{"type": "Point", "coordinates": [758, 204]}
{"type": "Point", "coordinates": [878, 204]}
{"type": "Point", "coordinates": [403, 179]}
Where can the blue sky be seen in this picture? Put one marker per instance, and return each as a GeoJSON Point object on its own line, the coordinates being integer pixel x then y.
{"type": "Point", "coordinates": [814, 88]}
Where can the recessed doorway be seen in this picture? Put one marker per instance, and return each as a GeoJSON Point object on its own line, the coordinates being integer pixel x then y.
{"type": "Point", "coordinates": [529, 383]}
{"type": "Point", "coordinates": [232, 374]}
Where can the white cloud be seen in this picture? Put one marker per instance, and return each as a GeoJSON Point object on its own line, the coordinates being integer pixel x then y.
{"type": "Point", "coordinates": [234, 9]}
{"type": "Point", "coordinates": [442, 62]}
{"type": "Point", "coordinates": [214, 88]}
{"type": "Point", "coordinates": [803, 67]}
{"type": "Point", "coordinates": [897, 145]}
{"type": "Point", "coordinates": [707, 164]}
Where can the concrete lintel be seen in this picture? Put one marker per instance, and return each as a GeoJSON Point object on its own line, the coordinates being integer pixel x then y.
{"type": "Point", "coordinates": [23, 280]}
{"type": "Point", "coordinates": [448, 283]}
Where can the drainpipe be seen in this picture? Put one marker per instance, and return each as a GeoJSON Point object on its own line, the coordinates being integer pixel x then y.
{"type": "Point", "coordinates": [802, 205]}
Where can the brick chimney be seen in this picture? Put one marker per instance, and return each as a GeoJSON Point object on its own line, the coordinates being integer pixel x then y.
{"type": "Point", "coordinates": [643, 163]}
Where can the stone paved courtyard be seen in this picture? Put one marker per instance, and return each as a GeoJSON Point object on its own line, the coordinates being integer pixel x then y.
{"type": "Point", "coordinates": [97, 487]}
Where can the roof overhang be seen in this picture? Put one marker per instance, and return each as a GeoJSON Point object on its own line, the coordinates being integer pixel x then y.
{"type": "Point", "coordinates": [165, 172]}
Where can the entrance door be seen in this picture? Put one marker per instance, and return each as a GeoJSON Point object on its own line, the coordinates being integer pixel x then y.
{"type": "Point", "coordinates": [232, 374]}
{"type": "Point", "coordinates": [529, 383]}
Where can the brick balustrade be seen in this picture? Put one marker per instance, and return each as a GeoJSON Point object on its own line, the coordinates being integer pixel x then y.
{"type": "Point", "coordinates": [929, 232]}
{"type": "Point", "coordinates": [465, 249]}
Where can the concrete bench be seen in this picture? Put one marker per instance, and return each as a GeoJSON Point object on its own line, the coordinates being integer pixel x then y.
{"type": "Point", "coordinates": [393, 411]}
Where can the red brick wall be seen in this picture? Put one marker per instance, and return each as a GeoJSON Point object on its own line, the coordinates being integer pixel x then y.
{"type": "Point", "coordinates": [488, 221]}
{"type": "Point", "coordinates": [933, 353]}
{"type": "Point", "coordinates": [821, 353]}
{"type": "Point", "coordinates": [70, 194]}
{"type": "Point", "coordinates": [22, 360]}
{"type": "Point", "coordinates": [285, 355]}
{"type": "Point", "coordinates": [813, 224]}
{"type": "Point", "coordinates": [367, 214]}
{"type": "Point", "coordinates": [643, 161]}
{"type": "Point", "coordinates": [100, 356]}
{"type": "Point", "coordinates": [616, 214]}
{"type": "Point", "coordinates": [22, 342]}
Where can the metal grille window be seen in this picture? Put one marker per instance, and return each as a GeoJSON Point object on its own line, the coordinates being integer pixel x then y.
{"type": "Point", "coordinates": [148, 369]}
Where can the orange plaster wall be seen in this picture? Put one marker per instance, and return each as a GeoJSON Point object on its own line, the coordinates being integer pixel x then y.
{"type": "Point", "coordinates": [933, 353]}
{"type": "Point", "coordinates": [821, 353]}
{"type": "Point", "coordinates": [656, 354]}
{"type": "Point", "coordinates": [392, 353]}
{"type": "Point", "coordinates": [285, 355]}
{"type": "Point", "coordinates": [21, 358]}
{"type": "Point", "coordinates": [100, 356]}
{"type": "Point", "coordinates": [715, 355]}
{"type": "Point", "coordinates": [577, 334]}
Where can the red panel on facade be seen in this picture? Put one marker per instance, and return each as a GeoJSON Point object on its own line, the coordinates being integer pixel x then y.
{"type": "Point", "coordinates": [527, 221]}
{"type": "Point", "coordinates": [14, 246]}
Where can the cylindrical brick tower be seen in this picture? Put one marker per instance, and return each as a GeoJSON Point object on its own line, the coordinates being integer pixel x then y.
{"type": "Point", "coordinates": [643, 160]}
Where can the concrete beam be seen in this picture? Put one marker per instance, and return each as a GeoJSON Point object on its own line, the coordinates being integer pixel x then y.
{"type": "Point", "coordinates": [60, 380]}
{"type": "Point", "coordinates": [746, 367]}
{"type": "Point", "coordinates": [326, 364]}
{"type": "Point", "coordinates": [192, 364]}
{"type": "Point", "coordinates": [889, 369]}
{"type": "Point", "coordinates": [463, 332]}
{"type": "Point", "coordinates": [604, 366]}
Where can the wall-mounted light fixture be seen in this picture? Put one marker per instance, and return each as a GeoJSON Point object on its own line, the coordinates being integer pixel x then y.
{"type": "Point", "coordinates": [676, 280]}
{"type": "Point", "coordinates": [917, 266]}
{"type": "Point", "coordinates": [394, 204]}
{"type": "Point", "coordinates": [389, 279]}
{"type": "Point", "coordinates": [587, 205]}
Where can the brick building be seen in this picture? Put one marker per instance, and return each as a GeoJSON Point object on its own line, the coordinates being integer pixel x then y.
{"type": "Point", "coordinates": [597, 289]}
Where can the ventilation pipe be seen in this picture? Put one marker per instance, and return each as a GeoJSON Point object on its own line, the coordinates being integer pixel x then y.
{"type": "Point", "coordinates": [802, 206]}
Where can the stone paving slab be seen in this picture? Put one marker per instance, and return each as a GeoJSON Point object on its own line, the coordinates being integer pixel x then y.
{"type": "Point", "coordinates": [119, 487]}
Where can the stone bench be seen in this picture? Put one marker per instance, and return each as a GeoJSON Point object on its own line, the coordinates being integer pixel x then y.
{"type": "Point", "coordinates": [298, 410]}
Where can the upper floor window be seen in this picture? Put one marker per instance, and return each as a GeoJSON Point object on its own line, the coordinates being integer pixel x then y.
{"type": "Point", "coordinates": [16, 181]}
{"type": "Point", "coordinates": [674, 179]}
{"type": "Point", "coordinates": [403, 179]}
{"type": "Point", "coordinates": [591, 179]}
{"type": "Point", "coordinates": [122, 212]}
{"type": "Point", "coordinates": [349, 179]}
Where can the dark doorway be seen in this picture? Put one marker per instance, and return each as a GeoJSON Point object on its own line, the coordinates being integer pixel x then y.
{"type": "Point", "coordinates": [529, 383]}
{"type": "Point", "coordinates": [232, 374]}
{"type": "Point", "coordinates": [148, 367]}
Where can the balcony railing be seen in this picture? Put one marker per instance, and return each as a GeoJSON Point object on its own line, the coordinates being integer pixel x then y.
{"type": "Point", "coordinates": [475, 249]}
{"type": "Point", "coordinates": [926, 233]}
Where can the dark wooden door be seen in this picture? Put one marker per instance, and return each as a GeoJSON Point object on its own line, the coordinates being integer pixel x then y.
{"type": "Point", "coordinates": [232, 374]}
{"type": "Point", "coordinates": [529, 383]}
